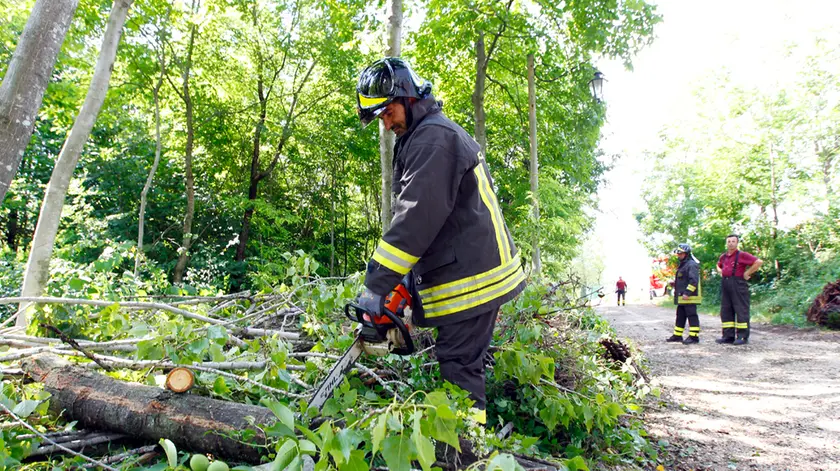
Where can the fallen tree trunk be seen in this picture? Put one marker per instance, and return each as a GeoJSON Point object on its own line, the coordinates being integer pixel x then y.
{"type": "Point", "coordinates": [192, 422]}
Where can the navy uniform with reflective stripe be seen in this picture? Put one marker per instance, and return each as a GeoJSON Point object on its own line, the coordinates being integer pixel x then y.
{"type": "Point", "coordinates": [687, 283]}
{"type": "Point", "coordinates": [448, 235]}
{"type": "Point", "coordinates": [448, 230]}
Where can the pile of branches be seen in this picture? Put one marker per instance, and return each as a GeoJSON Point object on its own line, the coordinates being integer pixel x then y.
{"type": "Point", "coordinates": [825, 310]}
{"type": "Point", "coordinates": [260, 358]}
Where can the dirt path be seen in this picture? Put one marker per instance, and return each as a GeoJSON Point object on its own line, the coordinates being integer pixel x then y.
{"type": "Point", "coordinates": [772, 405]}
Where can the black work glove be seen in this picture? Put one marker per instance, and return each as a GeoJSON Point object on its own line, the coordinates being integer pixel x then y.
{"type": "Point", "coordinates": [371, 302]}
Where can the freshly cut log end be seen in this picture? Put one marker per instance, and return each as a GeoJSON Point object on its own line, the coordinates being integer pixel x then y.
{"type": "Point", "coordinates": [180, 380]}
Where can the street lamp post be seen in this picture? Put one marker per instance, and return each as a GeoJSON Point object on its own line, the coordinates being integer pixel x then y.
{"type": "Point", "coordinates": [596, 86]}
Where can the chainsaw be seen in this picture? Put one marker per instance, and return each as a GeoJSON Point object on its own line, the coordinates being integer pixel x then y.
{"type": "Point", "coordinates": [377, 336]}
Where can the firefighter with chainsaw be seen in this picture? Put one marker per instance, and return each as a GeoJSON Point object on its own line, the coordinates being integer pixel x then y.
{"type": "Point", "coordinates": [687, 295]}
{"type": "Point", "coordinates": [447, 240]}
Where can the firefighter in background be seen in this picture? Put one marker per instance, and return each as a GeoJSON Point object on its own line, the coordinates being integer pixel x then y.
{"type": "Point", "coordinates": [621, 290]}
{"type": "Point", "coordinates": [687, 295]}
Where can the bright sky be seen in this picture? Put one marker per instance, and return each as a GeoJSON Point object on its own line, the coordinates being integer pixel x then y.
{"type": "Point", "coordinates": [695, 39]}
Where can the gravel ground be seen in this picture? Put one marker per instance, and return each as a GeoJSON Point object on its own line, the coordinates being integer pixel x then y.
{"type": "Point", "coordinates": [772, 405]}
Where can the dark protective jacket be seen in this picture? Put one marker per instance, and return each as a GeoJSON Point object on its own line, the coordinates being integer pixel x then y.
{"type": "Point", "coordinates": [447, 233]}
{"type": "Point", "coordinates": [688, 282]}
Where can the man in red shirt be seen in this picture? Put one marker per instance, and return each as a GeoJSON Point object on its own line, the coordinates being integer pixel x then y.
{"type": "Point", "coordinates": [736, 267]}
{"type": "Point", "coordinates": [620, 289]}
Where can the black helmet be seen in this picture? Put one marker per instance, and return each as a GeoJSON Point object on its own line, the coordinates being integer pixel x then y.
{"type": "Point", "coordinates": [682, 248]}
{"type": "Point", "coordinates": [383, 81]}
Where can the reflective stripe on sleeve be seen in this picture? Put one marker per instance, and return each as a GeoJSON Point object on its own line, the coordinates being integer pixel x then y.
{"type": "Point", "coordinates": [394, 258]}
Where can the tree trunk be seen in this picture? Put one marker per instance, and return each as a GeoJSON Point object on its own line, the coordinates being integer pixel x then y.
{"type": "Point", "coordinates": [244, 233]}
{"type": "Point", "coordinates": [775, 210]}
{"type": "Point", "coordinates": [12, 230]}
{"type": "Point", "coordinates": [144, 194]}
{"type": "Point", "coordinates": [184, 251]}
{"type": "Point", "coordinates": [192, 422]}
{"type": "Point", "coordinates": [38, 266]}
{"type": "Point", "coordinates": [478, 93]}
{"type": "Point", "coordinates": [532, 121]}
{"type": "Point", "coordinates": [26, 80]}
{"type": "Point", "coordinates": [394, 12]}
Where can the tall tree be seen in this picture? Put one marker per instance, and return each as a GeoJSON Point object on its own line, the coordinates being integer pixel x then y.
{"type": "Point", "coordinates": [189, 179]}
{"type": "Point", "coordinates": [141, 216]}
{"type": "Point", "coordinates": [535, 175]}
{"type": "Point", "coordinates": [38, 266]}
{"type": "Point", "coordinates": [26, 80]}
{"type": "Point", "coordinates": [393, 37]}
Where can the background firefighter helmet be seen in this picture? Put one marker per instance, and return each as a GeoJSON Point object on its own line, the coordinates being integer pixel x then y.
{"type": "Point", "coordinates": [682, 248]}
{"type": "Point", "coordinates": [383, 81]}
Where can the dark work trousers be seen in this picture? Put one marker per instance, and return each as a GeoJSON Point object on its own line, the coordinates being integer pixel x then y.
{"type": "Point", "coordinates": [620, 296]}
{"type": "Point", "coordinates": [460, 350]}
{"type": "Point", "coordinates": [735, 307]}
{"type": "Point", "coordinates": [687, 312]}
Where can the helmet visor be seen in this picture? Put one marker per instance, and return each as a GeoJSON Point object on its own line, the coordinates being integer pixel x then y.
{"type": "Point", "coordinates": [368, 115]}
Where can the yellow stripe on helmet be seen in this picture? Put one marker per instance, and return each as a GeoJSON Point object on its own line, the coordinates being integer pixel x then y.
{"type": "Point", "coordinates": [367, 102]}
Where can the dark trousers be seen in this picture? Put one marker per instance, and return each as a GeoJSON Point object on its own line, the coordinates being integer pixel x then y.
{"type": "Point", "coordinates": [620, 296]}
{"type": "Point", "coordinates": [460, 350]}
{"type": "Point", "coordinates": [687, 312]}
{"type": "Point", "coordinates": [735, 307]}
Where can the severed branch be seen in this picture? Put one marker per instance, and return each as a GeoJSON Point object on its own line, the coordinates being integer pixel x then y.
{"type": "Point", "coordinates": [146, 306]}
{"type": "Point", "coordinates": [75, 345]}
{"type": "Point", "coordinates": [46, 439]}
{"type": "Point", "coordinates": [117, 458]}
{"type": "Point", "coordinates": [78, 443]}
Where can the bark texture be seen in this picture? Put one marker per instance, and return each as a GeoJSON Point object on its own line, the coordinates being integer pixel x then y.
{"type": "Point", "coordinates": [26, 80]}
{"type": "Point", "coordinates": [535, 171]}
{"type": "Point", "coordinates": [393, 32]}
{"type": "Point", "coordinates": [192, 422]}
{"type": "Point", "coordinates": [38, 266]}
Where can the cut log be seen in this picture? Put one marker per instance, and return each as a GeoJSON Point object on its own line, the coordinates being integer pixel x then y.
{"type": "Point", "coordinates": [192, 422]}
{"type": "Point", "coordinates": [180, 380]}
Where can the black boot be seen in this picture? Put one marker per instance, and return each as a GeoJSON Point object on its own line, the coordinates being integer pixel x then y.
{"type": "Point", "coordinates": [674, 338]}
{"type": "Point", "coordinates": [740, 341]}
{"type": "Point", "coordinates": [725, 340]}
{"type": "Point", "coordinates": [691, 339]}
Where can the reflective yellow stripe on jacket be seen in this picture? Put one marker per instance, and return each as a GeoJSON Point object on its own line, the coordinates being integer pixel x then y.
{"type": "Point", "coordinates": [394, 258]}
{"type": "Point", "coordinates": [463, 294]}
{"type": "Point", "coordinates": [696, 299]}
{"type": "Point", "coordinates": [489, 199]}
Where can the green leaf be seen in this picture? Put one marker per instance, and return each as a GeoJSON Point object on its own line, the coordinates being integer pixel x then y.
{"type": "Point", "coordinates": [550, 413]}
{"type": "Point", "coordinates": [307, 448]}
{"type": "Point", "coordinates": [396, 452]}
{"type": "Point", "coordinates": [149, 350]}
{"type": "Point", "coordinates": [503, 462]}
{"type": "Point", "coordinates": [443, 427]}
{"type": "Point", "coordinates": [170, 450]}
{"type": "Point", "coordinates": [282, 412]}
{"type": "Point", "coordinates": [287, 451]}
{"type": "Point", "coordinates": [331, 408]}
{"type": "Point", "coordinates": [425, 448]}
{"type": "Point", "coordinates": [577, 464]}
{"type": "Point", "coordinates": [25, 408]}
{"type": "Point", "coordinates": [356, 462]}
{"type": "Point", "coordinates": [348, 440]}
{"type": "Point", "coordinates": [379, 432]}
{"type": "Point", "coordinates": [217, 334]}
{"type": "Point", "coordinates": [220, 386]}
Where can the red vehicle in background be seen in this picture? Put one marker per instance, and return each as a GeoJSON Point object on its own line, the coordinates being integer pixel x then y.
{"type": "Point", "coordinates": [661, 277]}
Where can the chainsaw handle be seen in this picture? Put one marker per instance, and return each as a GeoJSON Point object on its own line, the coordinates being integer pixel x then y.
{"type": "Point", "coordinates": [370, 323]}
